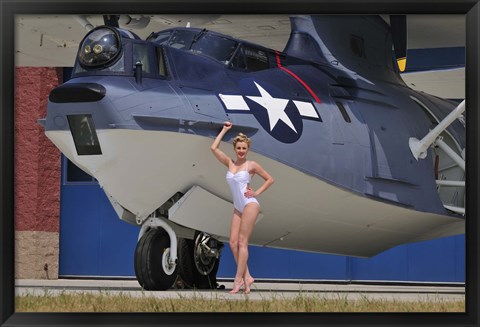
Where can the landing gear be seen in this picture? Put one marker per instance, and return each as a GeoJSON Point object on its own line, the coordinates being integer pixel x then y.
{"type": "Point", "coordinates": [198, 261]}
{"type": "Point", "coordinates": [153, 266]}
{"type": "Point", "coordinates": [196, 266]}
{"type": "Point", "coordinates": [206, 254]}
{"type": "Point", "coordinates": [163, 259]}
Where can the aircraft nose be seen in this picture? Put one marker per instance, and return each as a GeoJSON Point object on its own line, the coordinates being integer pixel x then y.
{"type": "Point", "coordinates": [77, 92]}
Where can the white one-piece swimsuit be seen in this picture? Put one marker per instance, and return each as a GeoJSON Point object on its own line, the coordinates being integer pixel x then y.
{"type": "Point", "coordinates": [238, 183]}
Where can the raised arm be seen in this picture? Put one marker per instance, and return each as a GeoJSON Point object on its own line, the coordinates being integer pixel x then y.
{"type": "Point", "coordinates": [222, 157]}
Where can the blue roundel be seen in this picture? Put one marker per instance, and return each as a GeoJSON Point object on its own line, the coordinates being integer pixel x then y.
{"type": "Point", "coordinates": [277, 114]}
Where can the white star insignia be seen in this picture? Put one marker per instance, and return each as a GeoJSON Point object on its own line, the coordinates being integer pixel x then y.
{"type": "Point", "coordinates": [275, 108]}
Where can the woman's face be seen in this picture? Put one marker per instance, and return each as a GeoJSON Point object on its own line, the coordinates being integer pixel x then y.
{"type": "Point", "coordinates": [241, 149]}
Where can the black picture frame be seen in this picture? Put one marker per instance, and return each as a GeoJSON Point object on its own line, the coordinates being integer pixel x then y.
{"type": "Point", "coordinates": [10, 8]}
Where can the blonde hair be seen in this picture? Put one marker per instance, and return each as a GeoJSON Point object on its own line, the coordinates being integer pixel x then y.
{"type": "Point", "coordinates": [241, 138]}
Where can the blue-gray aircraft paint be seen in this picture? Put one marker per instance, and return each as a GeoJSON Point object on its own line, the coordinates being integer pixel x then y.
{"type": "Point", "coordinates": [369, 155]}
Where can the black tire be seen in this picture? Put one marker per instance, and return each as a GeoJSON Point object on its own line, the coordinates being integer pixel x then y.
{"type": "Point", "coordinates": [186, 266]}
{"type": "Point", "coordinates": [189, 273]}
{"type": "Point", "coordinates": [151, 273]}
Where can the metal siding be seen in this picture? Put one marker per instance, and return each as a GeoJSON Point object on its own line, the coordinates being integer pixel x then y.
{"type": "Point", "coordinates": [118, 248]}
{"type": "Point", "coordinates": [389, 265]}
{"type": "Point", "coordinates": [440, 256]}
{"type": "Point", "coordinates": [93, 241]}
{"type": "Point", "coordinates": [460, 262]}
{"type": "Point", "coordinates": [440, 260]}
{"type": "Point", "coordinates": [79, 231]}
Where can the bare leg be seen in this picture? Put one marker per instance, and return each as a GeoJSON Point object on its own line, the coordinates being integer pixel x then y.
{"type": "Point", "coordinates": [249, 216]}
{"type": "Point", "coordinates": [234, 235]}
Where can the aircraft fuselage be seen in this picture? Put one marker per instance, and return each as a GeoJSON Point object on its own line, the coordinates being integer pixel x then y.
{"type": "Point", "coordinates": [336, 144]}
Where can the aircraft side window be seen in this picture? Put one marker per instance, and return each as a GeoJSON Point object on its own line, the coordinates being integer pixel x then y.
{"type": "Point", "coordinates": [344, 112]}
{"type": "Point", "coordinates": [239, 61]}
{"type": "Point", "coordinates": [140, 53]}
{"type": "Point", "coordinates": [162, 70]}
{"type": "Point", "coordinates": [256, 59]}
{"type": "Point", "coordinates": [250, 59]}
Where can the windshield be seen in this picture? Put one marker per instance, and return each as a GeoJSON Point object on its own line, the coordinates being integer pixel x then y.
{"type": "Point", "coordinates": [214, 46]}
{"type": "Point", "coordinates": [181, 39]}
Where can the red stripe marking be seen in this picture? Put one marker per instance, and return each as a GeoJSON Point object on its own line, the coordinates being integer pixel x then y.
{"type": "Point", "coordinates": [279, 64]}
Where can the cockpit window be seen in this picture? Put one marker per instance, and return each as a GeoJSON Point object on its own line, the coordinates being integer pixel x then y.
{"type": "Point", "coordinates": [182, 39]}
{"type": "Point", "coordinates": [162, 70]}
{"type": "Point", "coordinates": [251, 59]}
{"type": "Point", "coordinates": [140, 53]}
{"type": "Point", "coordinates": [201, 42]}
{"type": "Point", "coordinates": [214, 46]}
{"type": "Point", "coordinates": [160, 37]}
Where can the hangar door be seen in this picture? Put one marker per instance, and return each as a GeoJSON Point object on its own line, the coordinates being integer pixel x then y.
{"type": "Point", "coordinates": [93, 241]}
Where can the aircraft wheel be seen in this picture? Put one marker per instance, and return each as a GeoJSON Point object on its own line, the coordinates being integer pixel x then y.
{"type": "Point", "coordinates": [152, 266]}
{"type": "Point", "coordinates": [206, 256]}
{"type": "Point", "coordinates": [186, 266]}
{"type": "Point", "coordinates": [197, 267]}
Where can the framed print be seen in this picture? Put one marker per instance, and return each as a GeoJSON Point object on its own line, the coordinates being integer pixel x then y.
{"type": "Point", "coordinates": [357, 140]}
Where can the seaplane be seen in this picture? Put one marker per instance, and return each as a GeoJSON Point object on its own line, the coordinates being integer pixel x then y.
{"type": "Point", "coordinates": [362, 163]}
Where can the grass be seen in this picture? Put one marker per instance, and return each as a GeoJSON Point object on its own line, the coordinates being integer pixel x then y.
{"type": "Point", "coordinates": [106, 302]}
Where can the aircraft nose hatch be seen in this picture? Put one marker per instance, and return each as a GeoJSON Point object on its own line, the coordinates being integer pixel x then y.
{"type": "Point", "coordinates": [78, 92]}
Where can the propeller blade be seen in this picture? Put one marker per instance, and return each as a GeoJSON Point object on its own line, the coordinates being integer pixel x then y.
{"type": "Point", "coordinates": [111, 20]}
{"type": "Point", "coordinates": [398, 25]}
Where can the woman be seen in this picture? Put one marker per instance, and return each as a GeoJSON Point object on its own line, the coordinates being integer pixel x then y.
{"type": "Point", "coordinates": [246, 206]}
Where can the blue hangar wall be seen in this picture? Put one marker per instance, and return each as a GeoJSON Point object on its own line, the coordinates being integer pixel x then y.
{"type": "Point", "coordinates": [95, 242]}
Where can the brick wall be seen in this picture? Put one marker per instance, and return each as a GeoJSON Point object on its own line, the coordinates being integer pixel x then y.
{"type": "Point", "coordinates": [37, 176]}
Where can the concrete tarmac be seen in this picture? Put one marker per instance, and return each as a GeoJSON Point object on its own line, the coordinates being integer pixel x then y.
{"type": "Point", "coordinates": [261, 290]}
